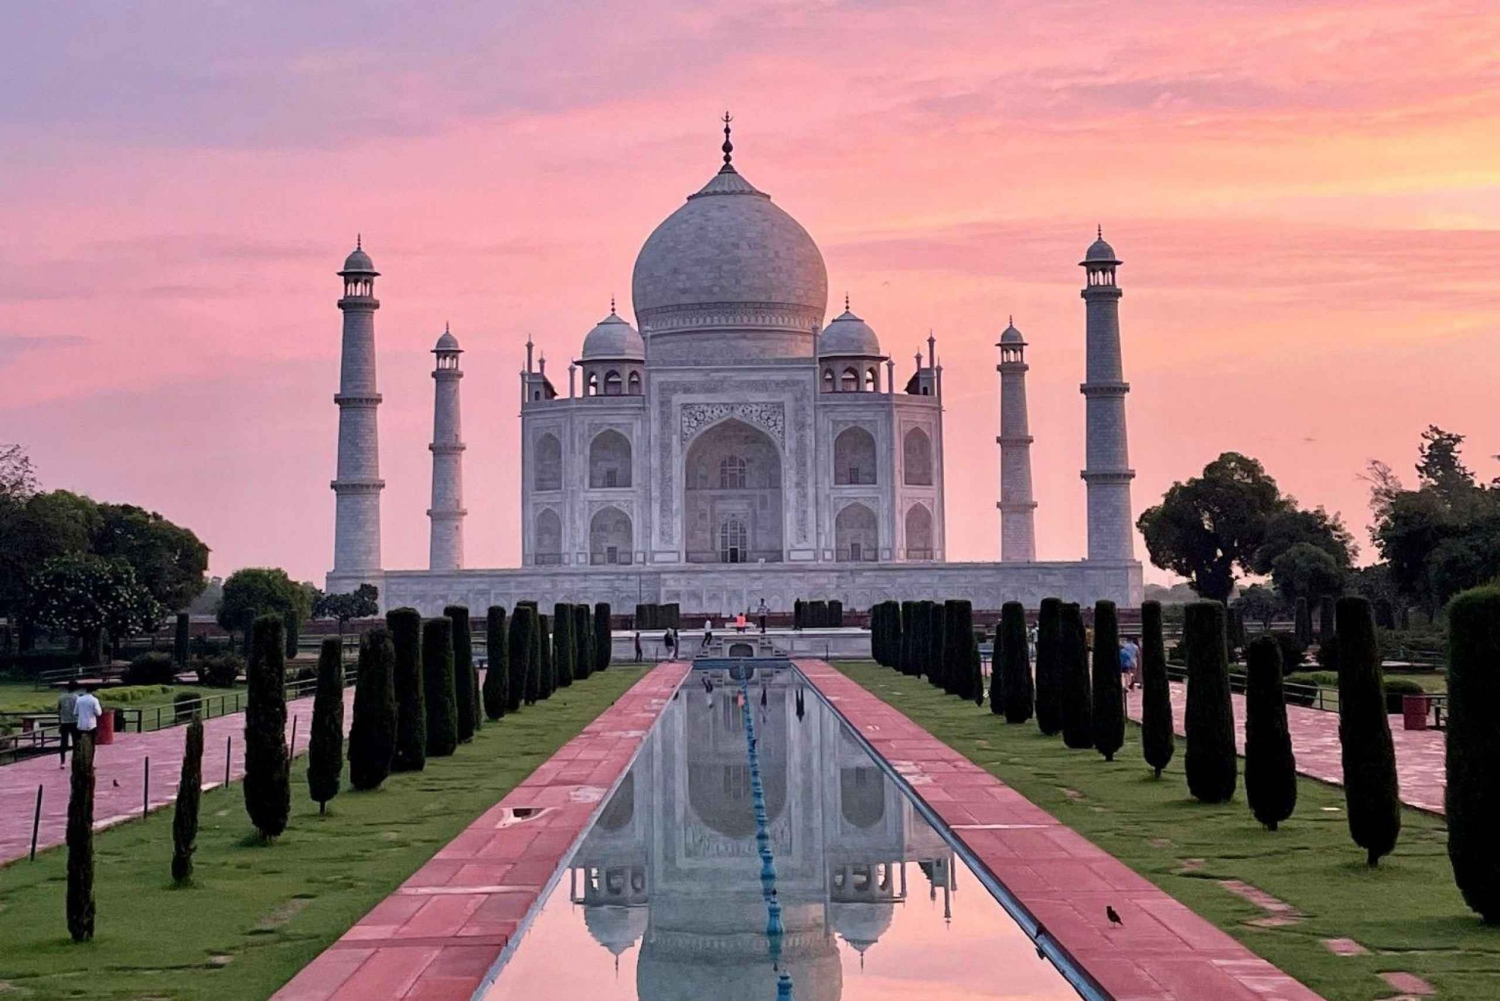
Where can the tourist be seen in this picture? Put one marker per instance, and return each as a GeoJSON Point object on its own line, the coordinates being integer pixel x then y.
{"type": "Point", "coordinates": [740, 625]}
{"type": "Point", "coordinates": [669, 640]}
{"type": "Point", "coordinates": [1135, 663]}
{"type": "Point", "coordinates": [67, 721]}
{"type": "Point", "coordinates": [638, 646]}
{"type": "Point", "coordinates": [708, 632]}
{"type": "Point", "coordinates": [1126, 666]}
{"type": "Point", "coordinates": [761, 613]}
{"type": "Point", "coordinates": [88, 712]}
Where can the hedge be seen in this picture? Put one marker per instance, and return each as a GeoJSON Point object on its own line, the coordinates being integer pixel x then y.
{"type": "Point", "coordinates": [583, 637]}
{"type": "Point", "coordinates": [410, 755]}
{"type": "Point", "coordinates": [1270, 765]}
{"type": "Point", "coordinates": [1211, 766]}
{"type": "Point", "coordinates": [1077, 705]}
{"type": "Point", "coordinates": [604, 636]}
{"type": "Point", "coordinates": [438, 687]}
{"type": "Point", "coordinates": [372, 733]}
{"type": "Point", "coordinates": [497, 664]}
{"type": "Point", "coordinates": [80, 841]}
{"type": "Point", "coordinates": [1049, 686]}
{"type": "Point", "coordinates": [1013, 678]}
{"type": "Point", "coordinates": [519, 641]}
{"type": "Point", "coordinates": [1158, 741]}
{"type": "Point", "coordinates": [463, 670]}
{"type": "Point", "coordinates": [1108, 713]}
{"type": "Point", "coordinates": [564, 649]}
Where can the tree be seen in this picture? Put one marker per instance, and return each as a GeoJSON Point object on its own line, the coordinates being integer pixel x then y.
{"type": "Point", "coordinates": [1327, 615]}
{"type": "Point", "coordinates": [17, 474]}
{"type": "Point", "coordinates": [361, 603]}
{"type": "Point", "coordinates": [1302, 622]}
{"type": "Point", "coordinates": [1372, 793]}
{"type": "Point", "coordinates": [168, 559]}
{"type": "Point", "coordinates": [35, 528]}
{"type": "Point", "coordinates": [464, 692]}
{"type": "Point", "coordinates": [1260, 604]}
{"type": "Point", "coordinates": [585, 656]}
{"type": "Point", "coordinates": [518, 652]}
{"type": "Point", "coordinates": [1108, 714]}
{"type": "Point", "coordinates": [268, 789]}
{"type": "Point", "coordinates": [907, 659]}
{"type": "Point", "coordinates": [1212, 769]}
{"type": "Point", "coordinates": [564, 649]}
{"type": "Point", "coordinates": [497, 667]}
{"type": "Point", "coordinates": [1049, 667]}
{"type": "Point", "coordinates": [1077, 703]}
{"type": "Point", "coordinates": [1270, 765]}
{"type": "Point", "coordinates": [180, 638]}
{"type": "Point", "coordinates": [372, 734]}
{"type": "Point", "coordinates": [958, 632]}
{"type": "Point", "coordinates": [1305, 571]}
{"type": "Point", "coordinates": [975, 670]}
{"type": "Point", "coordinates": [325, 745]}
{"type": "Point", "coordinates": [604, 637]}
{"type": "Point", "coordinates": [1472, 798]}
{"type": "Point", "coordinates": [290, 633]}
{"type": "Point", "coordinates": [405, 625]}
{"type": "Point", "coordinates": [256, 591]}
{"type": "Point", "coordinates": [189, 796]}
{"type": "Point", "coordinates": [547, 679]}
{"type": "Point", "coordinates": [540, 641]}
{"type": "Point", "coordinates": [1440, 467]}
{"type": "Point", "coordinates": [80, 839]}
{"type": "Point", "coordinates": [1212, 525]}
{"type": "Point", "coordinates": [82, 595]}
{"type": "Point", "coordinates": [438, 687]}
{"type": "Point", "coordinates": [1014, 660]}
{"type": "Point", "coordinates": [936, 625]}
{"type": "Point", "coordinates": [1158, 740]}
{"type": "Point", "coordinates": [1292, 526]}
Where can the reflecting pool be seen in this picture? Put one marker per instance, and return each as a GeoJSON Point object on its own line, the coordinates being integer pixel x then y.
{"type": "Point", "coordinates": [670, 895]}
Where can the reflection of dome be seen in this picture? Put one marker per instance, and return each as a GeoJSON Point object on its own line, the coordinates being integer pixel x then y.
{"type": "Point", "coordinates": [861, 924]}
{"type": "Point", "coordinates": [615, 928]}
{"type": "Point", "coordinates": [614, 339]}
{"type": "Point", "coordinates": [847, 334]}
{"type": "Point", "coordinates": [734, 975]}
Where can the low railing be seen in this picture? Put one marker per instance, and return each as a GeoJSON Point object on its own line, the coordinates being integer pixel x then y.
{"type": "Point", "coordinates": [745, 556]}
{"type": "Point", "coordinates": [547, 559]}
{"type": "Point", "coordinates": [859, 555]}
{"type": "Point", "coordinates": [919, 554]}
{"type": "Point", "coordinates": [1297, 693]}
{"type": "Point", "coordinates": [603, 560]}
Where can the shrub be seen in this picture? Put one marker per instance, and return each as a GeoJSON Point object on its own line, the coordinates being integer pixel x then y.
{"type": "Point", "coordinates": [519, 641]}
{"type": "Point", "coordinates": [1108, 715]}
{"type": "Point", "coordinates": [372, 734]}
{"type": "Point", "coordinates": [405, 625]}
{"type": "Point", "coordinates": [438, 687]}
{"type": "Point", "coordinates": [1328, 654]}
{"type": "Point", "coordinates": [835, 614]}
{"type": "Point", "coordinates": [180, 640]}
{"type": "Point", "coordinates": [936, 622]}
{"type": "Point", "coordinates": [1371, 793]}
{"type": "Point", "coordinates": [1472, 799]}
{"type": "Point", "coordinates": [564, 647]}
{"type": "Point", "coordinates": [80, 839]}
{"type": "Point", "coordinates": [1013, 679]}
{"type": "Point", "coordinates": [1302, 623]}
{"type": "Point", "coordinates": [1292, 651]}
{"type": "Point", "coordinates": [1212, 769]}
{"type": "Point", "coordinates": [189, 796]}
{"type": "Point", "coordinates": [268, 788]}
{"type": "Point", "coordinates": [1270, 765]}
{"type": "Point", "coordinates": [221, 670]}
{"type": "Point", "coordinates": [185, 705]}
{"type": "Point", "coordinates": [497, 669]}
{"type": "Point", "coordinates": [153, 668]}
{"type": "Point", "coordinates": [1158, 741]}
{"type": "Point", "coordinates": [1049, 686]}
{"type": "Point", "coordinates": [798, 612]}
{"type": "Point", "coordinates": [1077, 704]}
{"type": "Point", "coordinates": [604, 637]}
{"type": "Point", "coordinates": [958, 636]}
{"type": "Point", "coordinates": [907, 655]}
{"type": "Point", "coordinates": [463, 670]}
{"type": "Point", "coordinates": [325, 743]}
{"type": "Point", "coordinates": [583, 641]}
{"type": "Point", "coordinates": [1396, 691]}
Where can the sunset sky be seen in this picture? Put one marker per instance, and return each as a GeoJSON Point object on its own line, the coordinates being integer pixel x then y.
{"type": "Point", "coordinates": [1306, 197]}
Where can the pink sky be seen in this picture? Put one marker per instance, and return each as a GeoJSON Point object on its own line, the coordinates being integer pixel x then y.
{"type": "Point", "coordinates": [1306, 197]}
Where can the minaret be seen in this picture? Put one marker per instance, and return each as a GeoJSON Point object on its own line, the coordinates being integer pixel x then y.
{"type": "Point", "coordinates": [1017, 509]}
{"type": "Point", "coordinates": [1107, 473]}
{"type": "Point", "coordinates": [356, 527]}
{"type": "Point", "coordinates": [447, 512]}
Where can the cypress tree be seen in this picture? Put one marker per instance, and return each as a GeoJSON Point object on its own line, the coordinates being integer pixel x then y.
{"type": "Point", "coordinates": [268, 784]}
{"type": "Point", "coordinates": [583, 638]}
{"type": "Point", "coordinates": [1270, 765]}
{"type": "Point", "coordinates": [497, 670]}
{"type": "Point", "coordinates": [604, 636]}
{"type": "Point", "coordinates": [189, 795]}
{"type": "Point", "coordinates": [907, 654]}
{"type": "Point", "coordinates": [463, 670]}
{"type": "Point", "coordinates": [289, 624]}
{"type": "Point", "coordinates": [80, 838]}
{"type": "Point", "coordinates": [549, 667]}
{"type": "Point", "coordinates": [405, 625]}
{"type": "Point", "coordinates": [180, 641]}
{"type": "Point", "coordinates": [438, 687]}
{"type": "Point", "coordinates": [876, 610]}
{"type": "Point", "coordinates": [936, 621]}
{"type": "Point", "coordinates": [1327, 618]}
{"type": "Point", "coordinates": [1371, 793]}
{"type": "Point", "coordinates": [1077, 705]}
{"type": "Point", "coordinates": [976, 669]}
{"type": "Point", "coordinates": [519, 641]}
{"type": "Point", "coordinates": [325, 744]}
{"type": "Point", "coordinates": [1018, 693]}
{"type": "Point", "coordinates": [372, 734]}
{"type": "Point", "coordinates": [1472, 799]}
{"type": "Point", "coordinates": [958, 635]}
{"type": "Point", "coordinates": [1049, 671]}
{"type": "Point", "coordinates": [533, 687]}
{"type": "Point", "coordinates": [890, 633]}
{"type": "Point", "coordinates": [953, 657]}
{"type": "Point", "coordinates": [1158, 742]}
{"type": "Point", "coordinates": [1210, 762]}
{"type": "Point", "coordinates": [836, 613]}
{"type": "Point", "coordinates": [1302, 623]}
{"type": "Point", "coordinates": [564, 648]}
{"type": "Point", "coordinates": [797, 614]}
{"type": "Point", "coordinates": [1109, 696]}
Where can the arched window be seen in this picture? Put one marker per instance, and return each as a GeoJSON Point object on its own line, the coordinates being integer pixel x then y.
{"type": "Point", "coordinates": [635, 384]}
{"type": "Point", "coordinates": [547, 543]}
{"type": "Point", "coordinates": [612, 383]}
{"type": "Point", "coordinates": [828, 380]}
{"type": "Point", "coordinates": [917, 452]}
{"type": "Point", "coordinates": [854, 457]}
{"type": "Point", "coordinates": [872, 381]}
{"type": "Point", "coordinates": [610, 537]}
{"type": "Point", "coordinates": [731, 473]}
{"type": "Point", "coordinates": [591, 384]}
{"type": "Point", "coordinates": [609, 460]}
{"type": "Point", "coordinates": [918, 533]}
{"type": "Point", "coordinates": [732, 541]}
{"type": "Point", "coordinates": [548, 456]}
{"type": "Point", "coordinates": [850, 382]}
{"type": "Point", "coordinates": [856, 534]}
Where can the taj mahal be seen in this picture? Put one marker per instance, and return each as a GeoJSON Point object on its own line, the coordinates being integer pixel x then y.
{"type": "Point", "coordinates": [731, 447]}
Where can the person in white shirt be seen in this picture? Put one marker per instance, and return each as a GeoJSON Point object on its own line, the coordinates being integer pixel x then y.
{"type": "Point", "coordinates": [88, 711]}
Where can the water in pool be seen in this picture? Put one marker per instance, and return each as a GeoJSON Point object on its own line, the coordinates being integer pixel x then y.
{"type": "Point", "coordinates": [669, 896]}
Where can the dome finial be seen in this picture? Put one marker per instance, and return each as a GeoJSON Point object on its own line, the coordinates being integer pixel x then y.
{"type": "Point", "coordinates": [1099, 231]}
{"type": "Point", "coordinates": [359, 240]}
{"type": "Point", "coordinates": [611, 305]}
{"type": "Point", "coordinates": [728, 146]}
{"type": "Point", "coordinates": [846, 302]}
{"type": "Point", "coordinates": [1011, 319]}
{"type": "Point", "coordinates": [446, 328]}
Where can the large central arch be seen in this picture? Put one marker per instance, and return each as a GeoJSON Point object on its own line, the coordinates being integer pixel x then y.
{"type": "Point", "coordinates": [732, 496]}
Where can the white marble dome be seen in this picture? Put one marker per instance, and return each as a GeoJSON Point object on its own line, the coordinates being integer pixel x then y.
{"type": "Point", "coordinates": [1100, 251]}
{"type": "Point", "coordinates": [728, 248]}
{"type": "Point", "coordinates": [358, 262]}
{"type": "Point", "coordinates": [614, 339]}
{"type": "Point", "coordinates": [1010, 335]}
{"type": "Point", "coordinates": [848, 335]}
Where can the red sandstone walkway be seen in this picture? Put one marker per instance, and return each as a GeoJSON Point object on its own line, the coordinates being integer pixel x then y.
{"type": "Point", "coordinates": [439, 934]}
{"type": "Point", "coordinates": [120, 776]}
{"type": "Point", "coordinates": [1162, 952]}
{"type": "Point", "coordinates": [1315, 740]}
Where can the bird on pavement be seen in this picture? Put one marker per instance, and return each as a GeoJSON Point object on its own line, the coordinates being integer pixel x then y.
{"type": "Point", "coordinates": [116, 783]}
{"type": "Point", "coordinates": [1113, 915]}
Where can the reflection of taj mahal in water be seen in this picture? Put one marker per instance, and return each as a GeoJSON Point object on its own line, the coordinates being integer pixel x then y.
{"type": "Point", "coordinates": [735, 447]}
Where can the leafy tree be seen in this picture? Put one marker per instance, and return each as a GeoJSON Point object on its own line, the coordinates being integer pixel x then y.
{"type": "Point", "coordinates": [372, 734]}
{"type": "Point", "coordinates": [1108, 714]}
{"type": "Point", "coordinates": [80, 839]}
{"type": "Point", "coordinates": [1270, 765]}
{"type": "Point", "coordinates": [464, 692]}
{"type": "Point", "coordinates": [1013, 678]}
{"type": "Point", "coordinates": [518, 652]}
{"type": "Point", "coordinates": [405, 625]}
{"type": "Point", "coordinates": [189, 796]}
{"type": "Point", "coordinates": [564, 649]}
{"type": "Point", "coordinates": [17, 475]}
{"type": "Point", "coordinates": [256, 591]}
{"type": "Point", "coordinates": [1472, 798]}
{"type": "Point", "coordinates": [1212, 769]}
{"type": "Point", "coordinates": [1371, 792]}
{"type": "Point", "coordinates": [1158, 740]}
{"type": "Point", "coordinates": [1077, 701]}
{"type": "Point", "coordinates": [1049, 667]}
{"type": "Point", "coordinates": [604, 640]}
{"type": "Point", "coordinates": [82, 595]}
{"type": "Point", "coordinates": [34, 530]}
{"type": "Point", "coordinates": [1440, 467]}
{"type": "Point", "coordinates": [325, 745]}
{"type": "Point", "coordinates": [438, 687]}
{"type": "Point", "coordinates": [1305, 571]}
{"type": "Point", "coordinates": [267, 785]}
{"type": "Point", "coordinates": [168, 559]}
{"type": "Point", "coordinates": [497, 671]}
{"type": "Point", "coordinates": [1261, 604]}
{"type": "Point", "coordinates": [1292, 526]}
{"type": "Point", "coordinates": [361, 603]}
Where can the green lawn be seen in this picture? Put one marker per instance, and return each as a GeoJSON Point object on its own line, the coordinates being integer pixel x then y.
{"type": "Point", "coordinates": [258, 914]}
{"type": "Point", "coordinates": [1407, 912]}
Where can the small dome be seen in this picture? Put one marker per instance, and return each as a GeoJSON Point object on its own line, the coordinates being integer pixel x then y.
{"type": "Point", "coordinates": [847, 334]}
{"type": "Point", "coordinates": [614, 927]}
{"type": "Point", "coordinates": [1010, 335]}
{"type": "Point", "coordinates": [861, 924]}
{"type": "Point", "coordinates": [358, 262]}
{"type": "Point", "coordinates": [614, 339]}
{"type": "Point", "coordinates": [447, 344]}
{"type": "Point", "coordinates": [1100, 251]}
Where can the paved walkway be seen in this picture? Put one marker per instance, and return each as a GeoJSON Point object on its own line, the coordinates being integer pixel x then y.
{"type": "Point", "coordinates": [1162, 951]}
{"type": "Point", "coordinates": [439, 934]}
{"type": "Point", "coordinates": [1315, 741]}
{"type": "Point", "coordinates": [120, 776]}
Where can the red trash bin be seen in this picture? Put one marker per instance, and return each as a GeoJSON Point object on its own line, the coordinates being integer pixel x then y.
{"type": "Point", "coordinates": [104, 733]}
{"type": "Point", "coordinates": [1414, 711]}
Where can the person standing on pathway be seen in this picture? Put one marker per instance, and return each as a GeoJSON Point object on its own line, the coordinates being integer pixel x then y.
{"type": "Point", "coordinates": [761, 613]}
{"type": "Point", "coordinates": [88, 711]}
{"type": "Point", "coordinates": [67, 722]}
